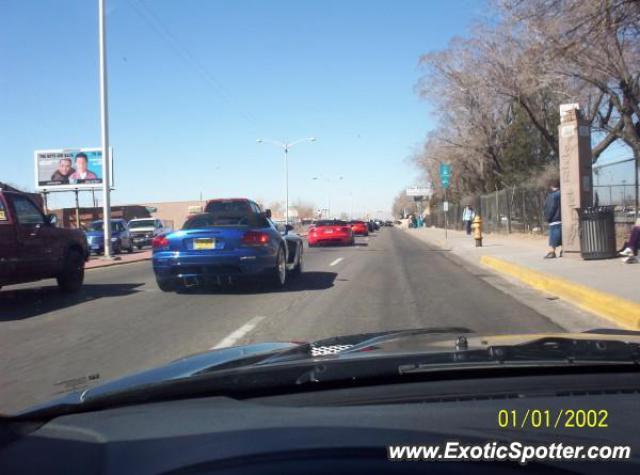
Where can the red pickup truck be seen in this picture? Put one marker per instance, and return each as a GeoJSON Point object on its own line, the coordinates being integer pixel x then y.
{"type": "Point", "coordinates": [33, 248]}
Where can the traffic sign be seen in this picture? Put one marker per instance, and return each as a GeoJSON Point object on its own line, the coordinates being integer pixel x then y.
{"type": "Point", "coordinates": [445, 206]}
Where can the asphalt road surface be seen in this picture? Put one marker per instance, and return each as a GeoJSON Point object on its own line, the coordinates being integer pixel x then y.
{"type": "Point", "coordinates": [121, 322]}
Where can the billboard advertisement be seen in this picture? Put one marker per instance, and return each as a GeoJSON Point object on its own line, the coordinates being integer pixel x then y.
{"type": "Point", "coordinates": [70, 169]}
{"type": "Point", "coordinates": [418, 191]}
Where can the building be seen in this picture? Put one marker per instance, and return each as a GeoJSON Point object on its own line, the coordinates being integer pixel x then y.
{"type": "Point", "coordinates": [174, 213]}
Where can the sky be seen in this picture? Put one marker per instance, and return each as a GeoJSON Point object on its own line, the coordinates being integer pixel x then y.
{"type": "Point", "coordinates": [193, 83]}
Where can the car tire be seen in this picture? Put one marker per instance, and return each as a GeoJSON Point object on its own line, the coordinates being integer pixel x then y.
{"type": "Point", "coordinates": [312, 244]}
{"type": "Point", "coordinates": [72, 276]}
{"type": "Point", "coordinates": [166, 285]}
{"type": "Point", "coordinates": [130, 250]}
{"type": "Point", "coordinates": [278, 277]}
{"type": "Point", "coordinates": [298, 269]}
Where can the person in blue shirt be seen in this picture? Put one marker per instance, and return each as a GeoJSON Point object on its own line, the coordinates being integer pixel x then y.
{"type": "Point", "coordinates": [552, 216]}
{"type": "Point", "coordinates": [467, 218]}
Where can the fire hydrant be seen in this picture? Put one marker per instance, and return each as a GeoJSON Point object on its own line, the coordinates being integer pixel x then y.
{"type": "Point", "coordinates": [477, 230]}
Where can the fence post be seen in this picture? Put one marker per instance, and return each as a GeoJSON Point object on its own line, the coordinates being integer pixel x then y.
{"type": "Point", "coordinates": [497, 212]}
{"type": "Point", "coordinates": [509, 199]}
{"type": "Point", "coordinates": [525, 220]}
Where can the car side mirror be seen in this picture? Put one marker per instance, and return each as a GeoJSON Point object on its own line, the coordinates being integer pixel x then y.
{"type": "Point", "coordinates": [287, 228]}
{"type": "Point", "coordinates": [52, 219]}
{"type": "Point", "coordinates": [267, 213]}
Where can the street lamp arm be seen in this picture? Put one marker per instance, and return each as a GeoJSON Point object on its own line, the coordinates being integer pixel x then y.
{"type": "Point", "coordinates": [307, 139]}
{"type": "Point", "coordinates": [273, 142]}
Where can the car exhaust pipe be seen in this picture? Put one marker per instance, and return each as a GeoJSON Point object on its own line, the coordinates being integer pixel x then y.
{"type": "Point", "coordinates": [190, 281]}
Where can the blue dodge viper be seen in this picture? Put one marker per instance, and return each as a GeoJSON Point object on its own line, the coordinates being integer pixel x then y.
{"type": "Point", "coordinates": [232, 239]}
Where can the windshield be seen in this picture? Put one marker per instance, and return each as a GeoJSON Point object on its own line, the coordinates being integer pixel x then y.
{"type": "Point", "coordinates": [143, 223]}
{"type": "Point", "coordinates": [116, 226]}
{"type": "Point", "coordinates": [333, 222]}
{"type": "Point", "coordinates": [224, 218]}
{"type": "Point", "coordinates": [309, 170]}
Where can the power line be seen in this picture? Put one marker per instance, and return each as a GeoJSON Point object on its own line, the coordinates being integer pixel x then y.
{"type": "Point", "coordinates": [159, 27]}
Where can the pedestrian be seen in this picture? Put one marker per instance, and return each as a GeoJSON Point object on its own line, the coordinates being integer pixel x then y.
{"type": "Point", "coordinates": [552, 216]}
{"type": "Point", "coordinates": [467, 217]}
{"type": "Point", "coordinates": [630, 250]}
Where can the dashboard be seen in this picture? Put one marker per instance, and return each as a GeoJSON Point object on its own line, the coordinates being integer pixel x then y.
{"type": "Point", "coordinates": [339, 430]}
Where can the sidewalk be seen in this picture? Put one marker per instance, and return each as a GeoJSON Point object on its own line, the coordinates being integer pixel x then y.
{"type": "Point", "coordinates": [125, 258]}
{"type": "Point", "coordinates": [608, 288]}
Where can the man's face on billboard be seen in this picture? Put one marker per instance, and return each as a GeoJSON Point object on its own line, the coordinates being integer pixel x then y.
{"type": "Point", "coordinates": [64, 167]}
{"type": "Point", "coordinates": [81, 164]}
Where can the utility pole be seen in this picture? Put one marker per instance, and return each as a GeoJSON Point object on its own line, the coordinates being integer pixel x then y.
{"type": "Point", "coordinates": [104, 131]}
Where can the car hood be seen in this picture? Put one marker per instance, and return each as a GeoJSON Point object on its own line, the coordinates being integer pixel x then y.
{"type": "Point", "coordinates": [452, 342]}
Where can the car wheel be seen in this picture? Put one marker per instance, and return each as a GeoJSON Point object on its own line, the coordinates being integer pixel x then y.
{"type": "Point", "coordinates": [297, 270]}
{"type": "Point", "coordinates": [166, 285]}
{"type": "Point", "coordinates": [72, 276]}
{"type": "Point", "coordinates": [278, 276]}
{"type": "Point", "coordinates": [130, 250]}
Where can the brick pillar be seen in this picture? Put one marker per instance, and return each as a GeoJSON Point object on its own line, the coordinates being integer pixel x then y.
{"type": "Point", "coordinates": [576, 190]}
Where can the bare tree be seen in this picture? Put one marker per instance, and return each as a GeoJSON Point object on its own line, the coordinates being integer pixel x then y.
{"type": "Point", "coordinates": [305, 209]}
{"type": "Point", "coordinates": [403, 205]}
{"type": "Point", "coordinates": [594, 45]}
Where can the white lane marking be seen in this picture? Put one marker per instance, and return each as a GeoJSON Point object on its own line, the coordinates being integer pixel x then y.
{"type": "Point", "coordinates": [337, 261]}
{"type": "Point", "coordinates": [234, 336]}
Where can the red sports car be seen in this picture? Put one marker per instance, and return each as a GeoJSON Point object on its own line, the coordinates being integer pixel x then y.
{"type": "Point", "coordinates": [359, 228]}
{"type": "Point", "coordinates": [330, 231]}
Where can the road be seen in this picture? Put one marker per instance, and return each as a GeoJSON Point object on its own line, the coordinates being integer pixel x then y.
{"type": "Point", "coordinates": [121, 323]}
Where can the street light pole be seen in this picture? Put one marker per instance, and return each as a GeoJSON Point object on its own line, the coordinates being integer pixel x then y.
{"type": "Point", "coordinates": [329, 181]}
{"type": "Point", "coordinates": [286, 182]}
{"type": "Point", "coordinates": [104, 131]}
{"type": "Point", "coordinates": [286, 146]}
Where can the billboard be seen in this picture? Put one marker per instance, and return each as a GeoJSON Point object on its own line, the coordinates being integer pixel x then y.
{"type": "Point", "coordinates": [418, 191]}
{"type": "Point", "coordinates": [70, 169]}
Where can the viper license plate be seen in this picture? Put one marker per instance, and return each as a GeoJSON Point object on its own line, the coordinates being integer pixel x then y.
{"type": "Point", "coordinates": [202, 244]}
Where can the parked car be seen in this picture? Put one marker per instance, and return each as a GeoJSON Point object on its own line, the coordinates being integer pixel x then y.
{"type": "Point", "coordinates": [120, 237]}
{"type": "Point", "coordinates": [232, 239]}
{"type": "Point", "coordinates": [359, 228]}
{"type": "Point", "coordinates": [371, 226]}
{"type": "Point", "coordinates": [33, 248]}
{"type": "Point", "coordinates": [330, 231]}
{"type": "Point", "coordinates": [143, 230]}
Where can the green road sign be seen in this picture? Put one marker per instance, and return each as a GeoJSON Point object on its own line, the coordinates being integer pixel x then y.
{"type": "Point", "coordinates": [445, 173]}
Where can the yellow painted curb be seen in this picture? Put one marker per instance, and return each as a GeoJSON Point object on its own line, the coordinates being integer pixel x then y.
{"type": "Point", "coordinates": [621, 311]}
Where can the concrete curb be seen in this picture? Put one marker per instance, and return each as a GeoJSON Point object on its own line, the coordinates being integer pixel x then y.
{"type": "Point", "coordinates": [117, 263]}
{"type": "Point", "coordinates": [612, 307]}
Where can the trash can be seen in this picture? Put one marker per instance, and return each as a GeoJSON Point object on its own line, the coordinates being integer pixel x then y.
{"type": "Point", "coordinates": [597, 232]}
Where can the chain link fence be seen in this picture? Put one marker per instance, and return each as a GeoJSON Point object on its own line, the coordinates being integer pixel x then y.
{"type": "Point", "coordinates": [515, 209]}
{"type": "Point", "coordinates": [520, 209]}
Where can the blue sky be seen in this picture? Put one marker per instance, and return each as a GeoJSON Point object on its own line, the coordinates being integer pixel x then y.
{"type": "Point", "coordinates": [193, 84]}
